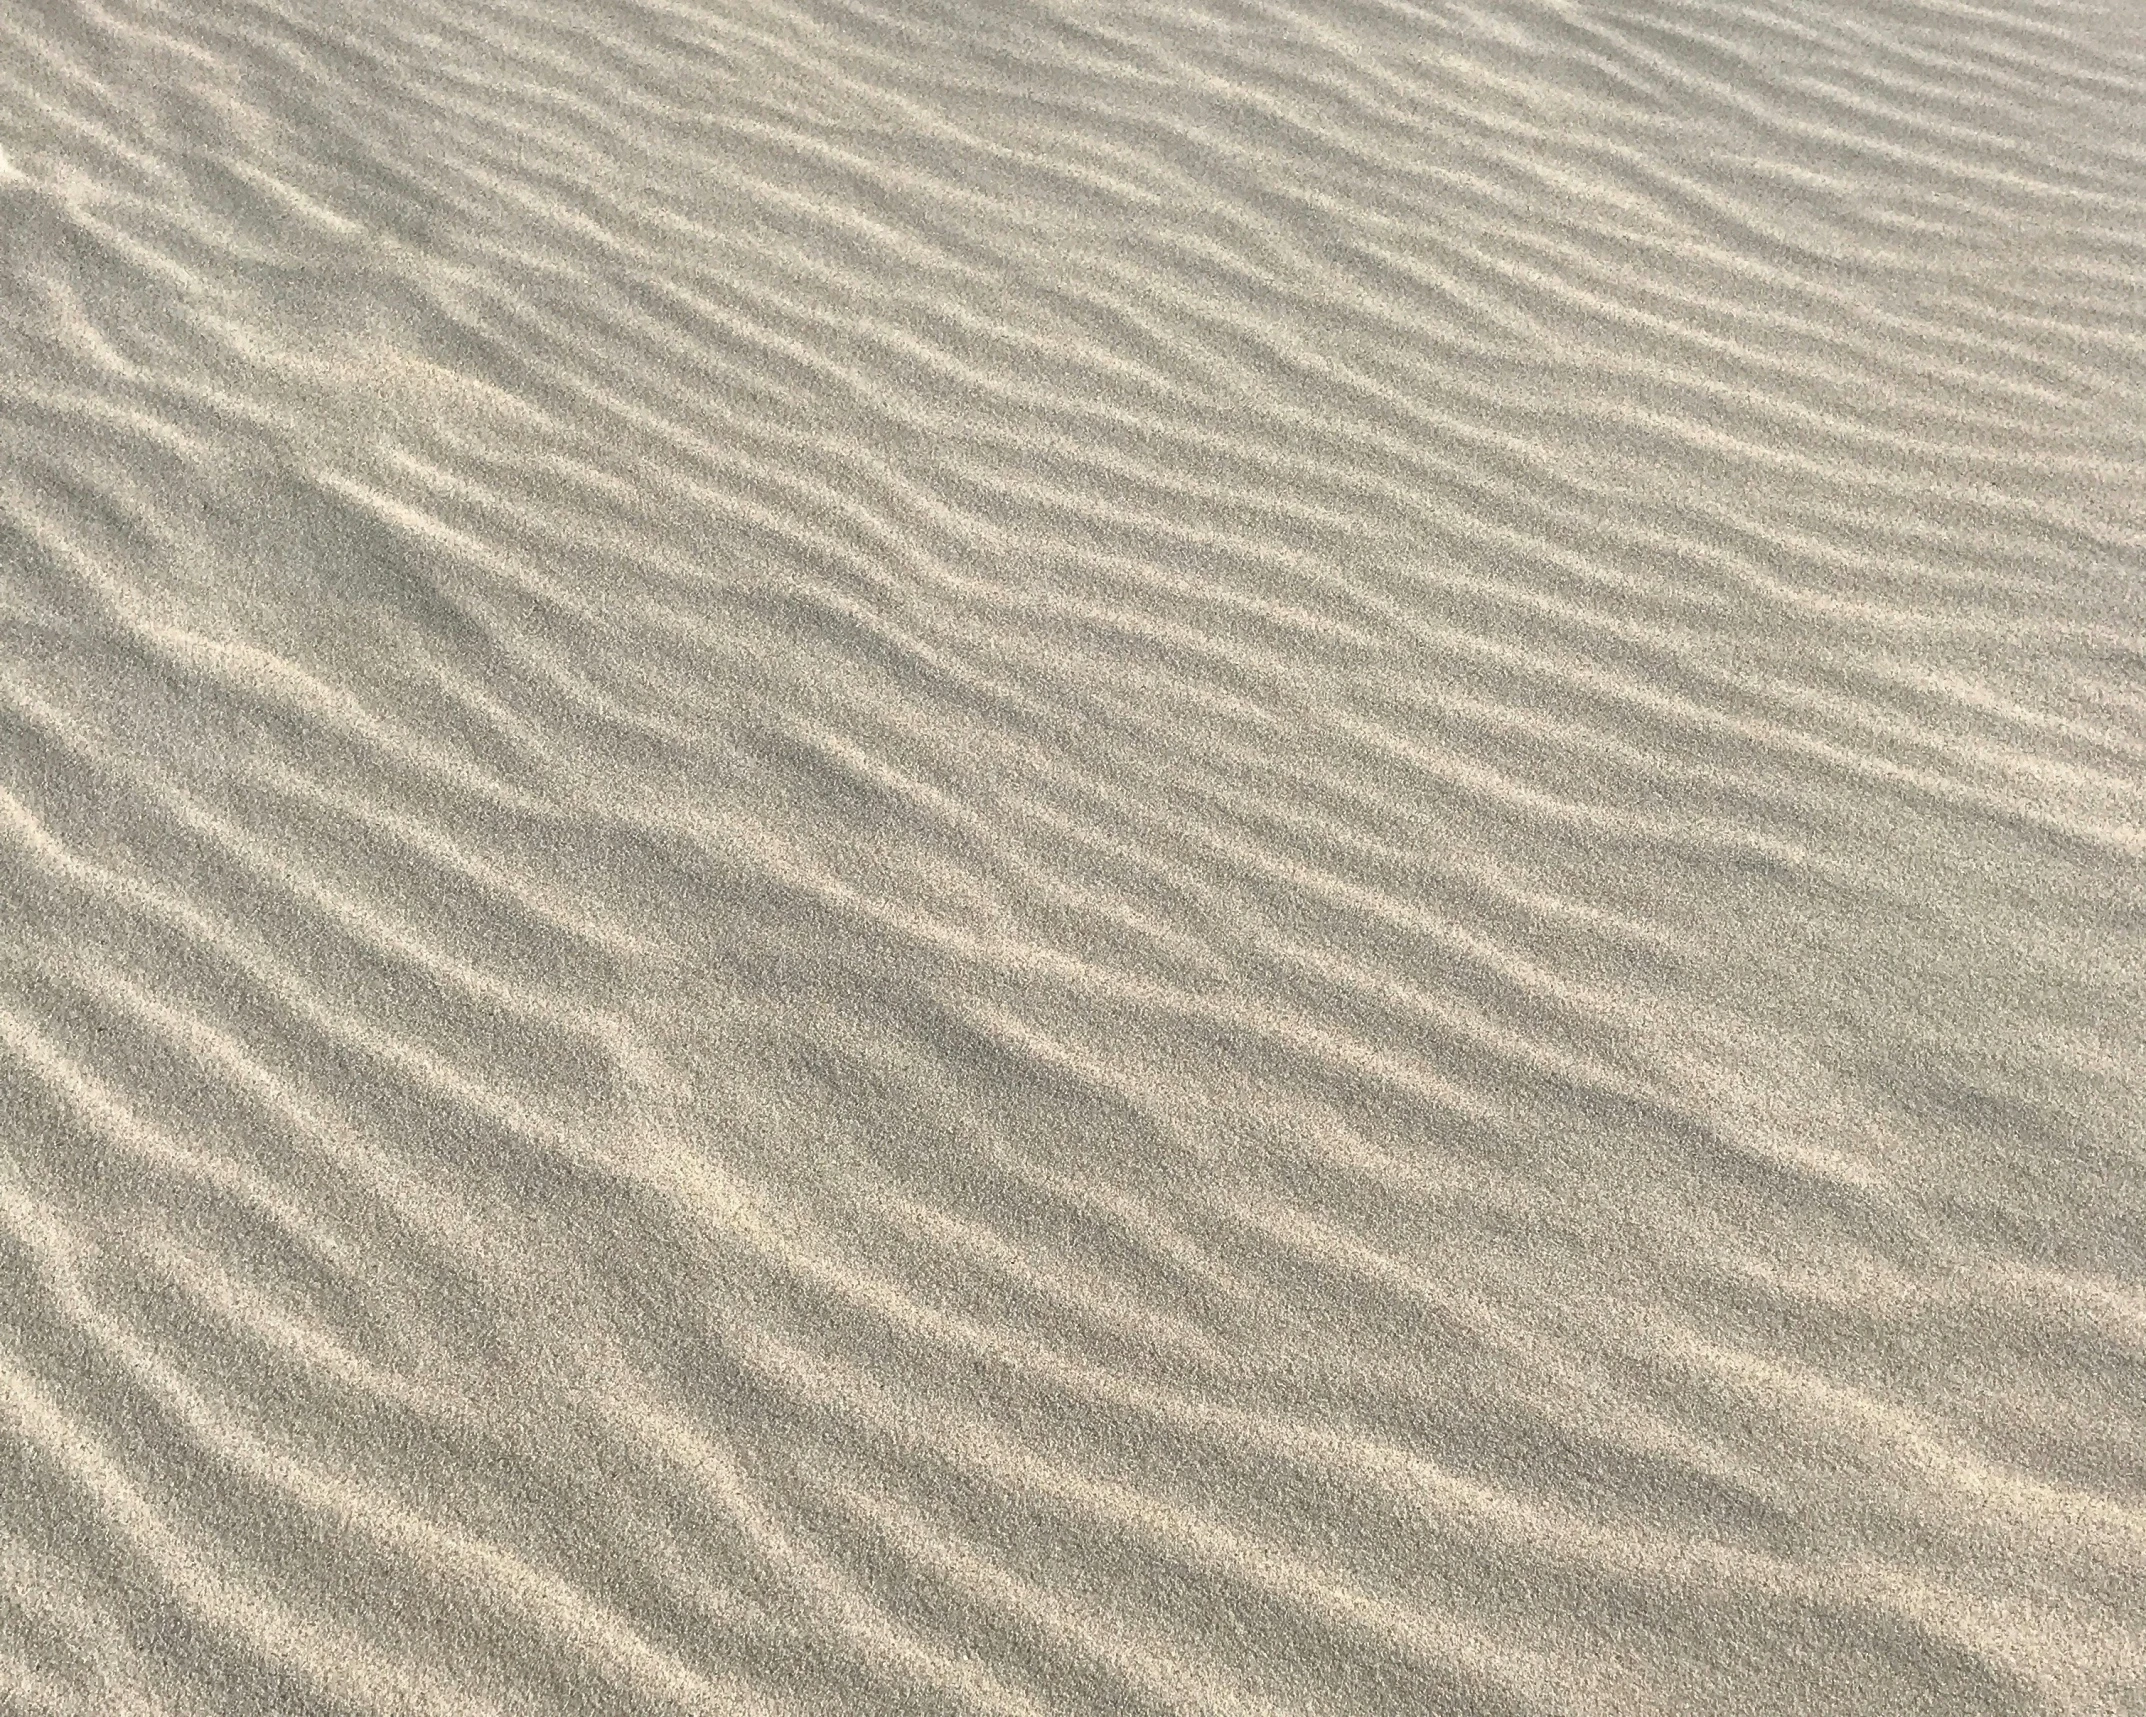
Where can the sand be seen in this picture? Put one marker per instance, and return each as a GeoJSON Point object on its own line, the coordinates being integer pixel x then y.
{"type": "Point", "coordinates": [1038, 856]}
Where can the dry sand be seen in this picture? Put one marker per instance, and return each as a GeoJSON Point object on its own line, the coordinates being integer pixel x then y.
{"type": "Point", "coordinates": [967, 856]}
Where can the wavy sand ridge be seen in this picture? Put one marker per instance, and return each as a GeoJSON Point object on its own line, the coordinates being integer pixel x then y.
{"type": "Point", "coordinates": [1268, 858]}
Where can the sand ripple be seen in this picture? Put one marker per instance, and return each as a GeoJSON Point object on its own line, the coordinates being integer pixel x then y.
{"type": "Point", "coordinates": [1242, 858]}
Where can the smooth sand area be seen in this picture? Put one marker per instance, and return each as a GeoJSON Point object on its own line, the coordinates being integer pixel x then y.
{"type": "Point", "coordinates": [1272, 858]}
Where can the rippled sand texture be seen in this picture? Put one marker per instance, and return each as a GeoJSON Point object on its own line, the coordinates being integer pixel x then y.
{"type": "Point", "coordinates": [976, 856]}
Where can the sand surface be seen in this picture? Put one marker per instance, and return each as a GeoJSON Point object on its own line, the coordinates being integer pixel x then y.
{"type": "Point", "coordinates": [979, 856]}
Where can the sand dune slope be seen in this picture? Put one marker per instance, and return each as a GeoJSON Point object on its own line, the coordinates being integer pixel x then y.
{"type": "Point", "coordinates": [1278, 856]}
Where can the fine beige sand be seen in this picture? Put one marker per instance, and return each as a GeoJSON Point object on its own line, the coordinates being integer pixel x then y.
{"type": "Point", "coordinates": [1277, 858]}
